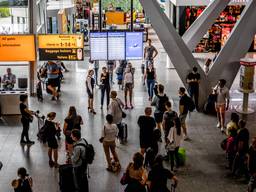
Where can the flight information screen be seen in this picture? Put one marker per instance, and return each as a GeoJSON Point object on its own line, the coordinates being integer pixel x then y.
{"type": "Point", "coordinates": [99, 45]}
{"type": "Point", "coordinates": [116, 45]}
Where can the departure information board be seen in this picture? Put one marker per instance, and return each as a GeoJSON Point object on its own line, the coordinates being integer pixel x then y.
{"type": "Point", "coordinates": [99, 45]}
{"type": "Point", "coordinates": [116, 45]}
{"type": "Point", "coordinates": [134, 45]}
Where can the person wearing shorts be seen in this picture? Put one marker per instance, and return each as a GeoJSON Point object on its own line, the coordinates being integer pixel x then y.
{"type": "Point", "coordinates": [128, 86]}
{"type": "Point", "coordinates": [222, 102]}
{"type": "Point", "coordinates": [183, 111]}
{"type": "Point", "coordinates": [53, 71]}
{"type": "Point", "coordinates": [51, 130]}
{"type": "Point", "coordinates": [90, 82]}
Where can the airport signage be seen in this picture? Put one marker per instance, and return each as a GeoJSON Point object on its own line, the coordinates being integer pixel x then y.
{"type": "Point", "coordinates": [61, 47]}
{"type": "Point", "coordinates": [17, 48]}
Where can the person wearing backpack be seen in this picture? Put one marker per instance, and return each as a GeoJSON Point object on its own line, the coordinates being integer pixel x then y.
{"type": "Point", "coordinates": [168, 118]}
{"type": "Point", "coordinates": [79, 162]}
{"type": "Point", "coordinates": [183, 110]}
{"type": "Point", "coordinates": [159, 102]}
{"type": "Point", "coordinates": [23, 183]}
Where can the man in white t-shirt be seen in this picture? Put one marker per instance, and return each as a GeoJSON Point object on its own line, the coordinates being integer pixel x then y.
{"type": "Point", "coordinates": [222, 102]}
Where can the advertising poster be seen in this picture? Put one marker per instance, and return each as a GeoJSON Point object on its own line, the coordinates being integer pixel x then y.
{"type": "Point", "coordinates": [116, 45]}
{"type": "Point", "coordinates": [17, 48]}
{"type": "Point", "coordinates": [99, 45]}
{"type": "Point", "coordinates": [13, 3]}
{"type": "Point", "coordinates": [134, 45]}
{"type": "Point", "coordinates": [61, 47]}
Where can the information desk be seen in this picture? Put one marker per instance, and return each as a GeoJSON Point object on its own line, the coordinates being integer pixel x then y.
{"type": "Point", "coordinates": [10, 102]}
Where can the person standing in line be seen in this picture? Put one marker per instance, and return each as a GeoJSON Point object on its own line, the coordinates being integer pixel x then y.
{"type": "Point", "coordinates": [252, 165]}
{"type": "Point", "coordinates": [147, 125]}
{"type": "Point", "coordinates": [115, 108]}
{"type": "Point", "coordinates": [105, 86]}
{"type": "Point", "coordinates": [159, 102]}
{"type": "Point", "coordinates": [72, 121]}
{"type": "Point", "coordinates": [24, 182]}
{"type": "Point", "coordinates": [128, 86]}
{"type": "Point", "coordinates": [222, 103]}
{"type": "Point", "coordinates": [150, 53]}
{"type": "Point", "coordinates": [51, 131]}
{"type": "Point", "coordinates": [137, 174]}
{"type": "Point", "coordinates": [158, 177]}
{"type": "Point", "coordinates": [26, 118]}
{"type": "Point", "coordinates": [183, 111]}
{"type": "Point", "coordinates": [109, 134]}
{"type": "Point", "coordinates": [175, 136]}
{"type": "Point", "coordinates": [150, 77]}
{"type": "Point", "coordinates": [90, 83]}
{"type": "Point", "coordinates": [78, 162]}
{"type": "Point", "coordinates": [193, 80]}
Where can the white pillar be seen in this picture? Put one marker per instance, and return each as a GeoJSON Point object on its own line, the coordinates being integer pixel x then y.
{"type": "Point", "coordinates": [169, 14]}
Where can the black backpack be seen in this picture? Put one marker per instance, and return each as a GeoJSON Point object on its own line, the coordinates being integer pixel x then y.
{"type": "Point", "coordinates": [190, 104]}
{"type": "Point", "coordinates": [89, 152]}
{"type": "Point", "coordinates": [161, 103]}
{"type": "Point", "coordinates": [43, 133]}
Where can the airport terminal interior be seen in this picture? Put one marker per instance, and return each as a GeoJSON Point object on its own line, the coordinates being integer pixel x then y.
{"type": "Point", "coordinates": [55, 51]}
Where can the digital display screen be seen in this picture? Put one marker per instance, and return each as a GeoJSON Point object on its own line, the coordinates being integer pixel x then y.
{"type": "Point", "coordinates": [116, 45]}
{"type": "Point", "coordinates": [134, 45]}
{"type": "Point", "coordinates": [99, 45]}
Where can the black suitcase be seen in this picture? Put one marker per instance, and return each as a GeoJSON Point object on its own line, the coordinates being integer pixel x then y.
{"type": "Point", "coordinates": [122, 133]}
{"type": "Point", "coordinates": [39, 91]}
{"type": "Point", "coordinates": [66, 181]}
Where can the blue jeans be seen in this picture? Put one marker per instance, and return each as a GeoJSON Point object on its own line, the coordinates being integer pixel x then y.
{"type": "Point", "coordinates": [150, 85]}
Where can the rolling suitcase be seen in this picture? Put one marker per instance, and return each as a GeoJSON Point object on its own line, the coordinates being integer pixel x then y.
{"type": "Point", "coordinates": [39, 91]}
{"type": "Point", "coordinates": [122, 133]}
{"type": "Point", "coordinates": [66, 181]}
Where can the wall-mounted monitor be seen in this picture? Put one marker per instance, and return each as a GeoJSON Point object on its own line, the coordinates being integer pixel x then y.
{"type": "Point", "coordinates": [99, 45]}
{"type": "Point", "coordinates": [116, 45]}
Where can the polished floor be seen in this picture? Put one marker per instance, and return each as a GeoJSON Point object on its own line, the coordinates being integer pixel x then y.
{"type": "Point", "coordinates": [205, 166]}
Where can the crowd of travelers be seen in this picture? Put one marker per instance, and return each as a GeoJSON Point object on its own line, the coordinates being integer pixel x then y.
{"type": "Point", "coordinates": [146, 171]}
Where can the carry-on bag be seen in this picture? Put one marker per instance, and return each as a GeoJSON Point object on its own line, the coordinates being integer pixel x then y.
{"type": "Point", "coordinates": [182, 156]}
{"type": "Point", "coordinates": [66, 181]}
{"type": "Point", "coordinates": [123, 132]}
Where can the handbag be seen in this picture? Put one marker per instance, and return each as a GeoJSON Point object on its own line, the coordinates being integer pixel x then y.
{"type": "Point", "coordinates": [125, 179]}
{"type": "Point", "coordinates": [123, 113]}
{"type": "Point", "coordinates": [102, 138]}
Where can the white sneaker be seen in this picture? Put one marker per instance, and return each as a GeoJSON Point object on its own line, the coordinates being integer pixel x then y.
{"type": "Point", "coordinates": [222, 129]}
{"type": "Point", "coordinates": [218, 125]}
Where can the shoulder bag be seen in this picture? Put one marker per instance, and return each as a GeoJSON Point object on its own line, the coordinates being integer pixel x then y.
{"type": "Point", "coordinates": [123, 113]}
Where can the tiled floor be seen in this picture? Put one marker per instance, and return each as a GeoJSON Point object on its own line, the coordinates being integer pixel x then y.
{"type": "Point", "coordinates": [205, 167]}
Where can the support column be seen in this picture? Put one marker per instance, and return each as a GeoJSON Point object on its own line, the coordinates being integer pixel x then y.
{"type": "Point", "coordinates": [169, 14]}
{"type": "Point", "coordinates": [32, 30]}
